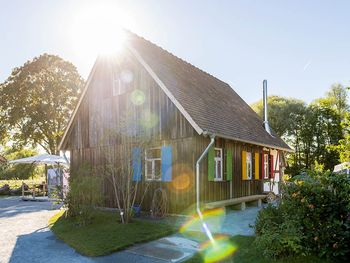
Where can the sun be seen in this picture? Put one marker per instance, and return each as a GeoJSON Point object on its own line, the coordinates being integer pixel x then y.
{"type": "Point", "coordinates": [98, 29]}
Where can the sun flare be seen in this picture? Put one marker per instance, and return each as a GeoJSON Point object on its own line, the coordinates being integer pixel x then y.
{"type": "Point", "coordinates": [98, 29]}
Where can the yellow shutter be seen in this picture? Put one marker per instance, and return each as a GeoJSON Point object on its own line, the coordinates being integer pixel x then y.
{"type": "Point", "coordinates": [257, 170]}
{"type": "Point", "coordinates": [244, 165]}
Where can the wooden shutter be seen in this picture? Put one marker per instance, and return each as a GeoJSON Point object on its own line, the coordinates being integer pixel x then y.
{"type": "Point", "coordinates": [228, 164]}
{"type": "Point", "coordinates": [256, 166]}
{"type": "Point", "coordinates": [211, 164]}
{"type": "Point", "coordinates": [136, 164]}
{"type": "Point", "coordinates": [166, 164]}
{"type": "Point", "coordinates": [244, 165]}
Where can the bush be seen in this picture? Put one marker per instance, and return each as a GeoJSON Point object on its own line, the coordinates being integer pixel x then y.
{"type": "Point", "coordinates": [84, 195]}
{"type": "Point", "coordinates": [313, 217]}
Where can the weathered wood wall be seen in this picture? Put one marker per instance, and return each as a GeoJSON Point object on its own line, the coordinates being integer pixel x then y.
{"type": "Point", "coordinates": [102, 119]}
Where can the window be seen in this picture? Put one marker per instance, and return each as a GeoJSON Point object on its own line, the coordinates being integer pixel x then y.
{"type": "Point", "coordinates": [119, 86]}
{"type": "Point", "coordinates": [266, 166]}
{"type": "Point", "coordinates": [218, 164]}
{"type": "Point", "coordinates": [249, 166]}
{"type": "Point", "coordinates": [153, 164]}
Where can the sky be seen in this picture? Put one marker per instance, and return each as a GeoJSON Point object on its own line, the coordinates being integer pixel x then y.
{"type": "Point", "coordinates": [300, 47]}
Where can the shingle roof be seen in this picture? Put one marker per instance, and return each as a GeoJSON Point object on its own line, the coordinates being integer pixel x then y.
{"type": "Point", "coordinates": [213, 105]}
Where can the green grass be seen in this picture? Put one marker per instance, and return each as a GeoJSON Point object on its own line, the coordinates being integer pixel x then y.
{"type": "Point", "coordinates": [105, 234]}
{"type": "Point", "coordinates": [246, 253]}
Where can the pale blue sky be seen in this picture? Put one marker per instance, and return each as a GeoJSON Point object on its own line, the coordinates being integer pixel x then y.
{"type": "Point", "coordinates": [300, 47]}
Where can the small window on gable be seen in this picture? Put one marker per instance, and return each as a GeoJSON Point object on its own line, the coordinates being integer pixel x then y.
{"type": "Point", "coordinates": [266, 166]}
{"type": "Point", "coordinates": [119, 86]}
{"type": "Point", "coordinates": [249, 166]}
{"type": "Point", "coordinates": [218, 164]}
{"type": "Point", "coordinates": [153, 164]}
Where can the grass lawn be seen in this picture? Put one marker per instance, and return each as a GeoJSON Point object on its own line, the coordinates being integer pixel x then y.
{"type": "Point", "coordinates": [247, 254]}
{"type": "Point", "coordinates": [105, 234]}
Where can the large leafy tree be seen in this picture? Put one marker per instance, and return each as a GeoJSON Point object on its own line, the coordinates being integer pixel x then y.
{"type": "Point", "coordinates": [309, 129]}
{"type": "Point", "coordinates": [36, 101]}
{"type": "Point", "coordinates": [279, 108]}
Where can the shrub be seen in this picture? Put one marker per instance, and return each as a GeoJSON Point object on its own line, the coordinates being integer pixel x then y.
{"type": "Point", "coordinates": [278, 235]}
{"type": "Point", "coordinates": [313, 217]}
{"type": "Point", "coordinates": [84, 195]}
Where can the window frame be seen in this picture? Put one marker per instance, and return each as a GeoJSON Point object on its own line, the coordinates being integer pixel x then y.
{"type": "Point", "coordinates": [118, 87]}
{"type": "Point", "coordinates": [216, 160]}
{"type": "Point", "coordinates": [266, 165]}
{"type": "Point", "coordinates": [152, 161]}
{"type": "Point", "coordinates": [249, 164]}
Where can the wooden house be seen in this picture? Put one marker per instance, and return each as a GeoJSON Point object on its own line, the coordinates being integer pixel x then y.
{"type": "Point", "coordinates": [180, 108]}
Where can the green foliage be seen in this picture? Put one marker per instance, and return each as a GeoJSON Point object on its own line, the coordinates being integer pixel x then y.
{"type": "Point", "coordinates": [84, 195]}
{"type": "Point", "coordinates": [36, 101]}
{"type": "Point", "coordinates": [278, 235]}
{"type": "Point", "coordinates": [278, 109]}
{"type": "Point", "coordinates": [343, 146]}
{"type": "Point", "coordinates": [18, 171]}
{"type": "Point", "coordinates": [105, 234]}
{"type": "Point", "coordinates": [313, 217]}
{"type": "Point", "coordinates": [312, 130]}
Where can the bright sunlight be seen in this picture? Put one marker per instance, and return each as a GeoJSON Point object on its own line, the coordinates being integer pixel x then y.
{"type": "Point", "coordinates": [98, 29]}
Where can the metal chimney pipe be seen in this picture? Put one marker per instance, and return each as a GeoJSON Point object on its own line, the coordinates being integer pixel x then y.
{"type": "Point", "coordinates": [266, 120]}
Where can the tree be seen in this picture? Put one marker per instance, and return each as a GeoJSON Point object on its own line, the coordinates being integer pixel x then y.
{"type": "Point", "coordinates": [36, 101]}
{"type": "Point", "coordinates": [278, 109]}
{"type": "Point", "coordinates": [18, 171]}
{"type": "Point", "coordinates": [343, 146]}
{"type": "Point", "coordinates": [336, 99]}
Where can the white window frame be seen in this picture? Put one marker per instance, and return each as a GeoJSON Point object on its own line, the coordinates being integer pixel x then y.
{"type": "Point", "coordinates": [152, 161]}
{"type": "Point", "coordinates": [249, 165]}
{"type": "Point", "coordinates": [119, 87]}
{"type": "Point", "coordinates": [266, 166]}
{"type": "Point", "coordinates": [218, 160]}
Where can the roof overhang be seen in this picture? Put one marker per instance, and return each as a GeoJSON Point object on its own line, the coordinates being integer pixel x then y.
{"type": "Point", "coordinates": [251, 142]}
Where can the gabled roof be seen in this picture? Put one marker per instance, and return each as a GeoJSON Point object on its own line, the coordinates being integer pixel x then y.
{"type": "Point", "coordinates": [209, 104]}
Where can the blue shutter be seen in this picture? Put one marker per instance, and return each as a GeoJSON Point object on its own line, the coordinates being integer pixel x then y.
{"type": "Point", "coordinates": [166, 163]}
{"type": "Point", "coordinates": [136, 164]}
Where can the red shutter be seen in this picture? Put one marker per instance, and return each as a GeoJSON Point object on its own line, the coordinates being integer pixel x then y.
{"type": "Point", "coordinates": [272, 174]}
{"type": "Point", "coordinates": [262, 166]}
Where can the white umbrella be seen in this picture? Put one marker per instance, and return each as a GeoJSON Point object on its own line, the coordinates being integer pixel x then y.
{"type": "Point", "coordinates": [42, 159]}
{"type": "Point", "coordinates": [46, 159]}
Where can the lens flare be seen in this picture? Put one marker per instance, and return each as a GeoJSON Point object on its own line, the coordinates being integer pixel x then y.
{"type": "Point", "coordinates": [127, 76]}
{"type": "Point", "coordinates": [149, 120]}
{"type": "Point", "coordinates": [214, 219]}
{"type": "Point", "coordinates": [138, 97]}
{"type": "Point", "coordinates": [218, 250]}
{"type": "Point", "coordinates": [181, 182]}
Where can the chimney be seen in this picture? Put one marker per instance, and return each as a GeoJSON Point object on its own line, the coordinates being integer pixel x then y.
{"type": "Point", "coordinates": [266, 120]}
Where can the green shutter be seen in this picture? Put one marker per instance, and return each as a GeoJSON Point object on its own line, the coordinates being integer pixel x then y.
{"type": "Point", "coordinates": [211, 164]}
{"type": "Point", "coordinates": [229, 165]}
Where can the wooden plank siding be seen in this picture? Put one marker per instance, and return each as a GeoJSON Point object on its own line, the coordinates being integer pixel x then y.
{"type": "Point", "coordinates": [102, 118]}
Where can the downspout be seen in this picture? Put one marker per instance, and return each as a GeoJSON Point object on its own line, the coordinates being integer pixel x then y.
{"type": "Point", "coordinates": [212, 140]}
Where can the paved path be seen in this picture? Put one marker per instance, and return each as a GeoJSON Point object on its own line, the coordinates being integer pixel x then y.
{"type": "Point", "coordinates": [25, 237]}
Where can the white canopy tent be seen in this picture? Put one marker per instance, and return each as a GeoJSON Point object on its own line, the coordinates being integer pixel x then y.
{"type": "Point", "coordinates": [46, 159]}
{"type": "Point", "coordinates": [42, 159]}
